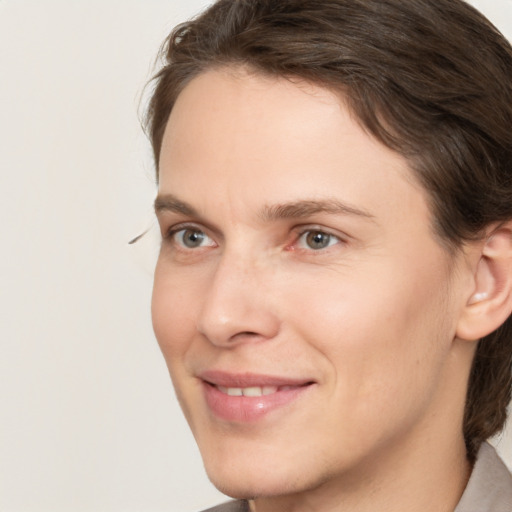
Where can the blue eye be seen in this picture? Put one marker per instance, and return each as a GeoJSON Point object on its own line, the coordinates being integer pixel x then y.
{"type": "Point", "coordinates": [317, 240]}
{"type": "Point", "coordinates": [191, 238]}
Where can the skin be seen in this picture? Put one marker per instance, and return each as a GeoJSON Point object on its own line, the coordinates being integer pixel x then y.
{"type": "Point", "coordinates": [371, 318]}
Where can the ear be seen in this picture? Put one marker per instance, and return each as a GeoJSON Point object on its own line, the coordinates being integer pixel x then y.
{"type": "Point", "coordinates": [490, 301]}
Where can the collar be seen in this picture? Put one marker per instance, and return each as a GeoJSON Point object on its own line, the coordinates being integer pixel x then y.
{"type": "Point", "coordinates": [490, 486]}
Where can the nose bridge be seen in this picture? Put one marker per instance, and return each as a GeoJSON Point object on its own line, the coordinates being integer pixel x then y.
{"type": "Point", "coordinates": [236, 306]}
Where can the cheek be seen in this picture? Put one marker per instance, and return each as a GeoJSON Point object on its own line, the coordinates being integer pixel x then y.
{"type": "Point", "coordinates": [172, 311]}
{"type": "Point", "coordinates": [381, 331]}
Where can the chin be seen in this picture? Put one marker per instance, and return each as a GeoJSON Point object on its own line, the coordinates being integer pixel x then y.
{"type": "Point", "coordinates": [256, 477]}
{"type": "Point", "coordinates": [240, 479]}
{"type": "Point", "coordinates": [251, 486]}
{"type": "Point", "coordinates": [237, 490]}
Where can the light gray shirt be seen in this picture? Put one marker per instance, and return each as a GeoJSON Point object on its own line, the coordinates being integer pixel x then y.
{"type": "Point", "coordinates": [489, 488]}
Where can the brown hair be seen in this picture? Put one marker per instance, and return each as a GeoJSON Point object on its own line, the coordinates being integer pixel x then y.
{"type": "Point", "coordinates": [431, 79]}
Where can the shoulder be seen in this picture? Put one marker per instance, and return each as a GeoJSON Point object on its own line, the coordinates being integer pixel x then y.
{"type": "Point", "coordinates": [490, 485]}
{"type": "Point", "coordinates": [231, 506]}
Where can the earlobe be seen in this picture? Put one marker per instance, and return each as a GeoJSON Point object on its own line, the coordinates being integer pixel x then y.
{"type": "Point", "coordinates": [490, 302]}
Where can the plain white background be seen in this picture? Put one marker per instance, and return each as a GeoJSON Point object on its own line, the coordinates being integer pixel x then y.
{"type": "Point", "coordinates": [89, 421]}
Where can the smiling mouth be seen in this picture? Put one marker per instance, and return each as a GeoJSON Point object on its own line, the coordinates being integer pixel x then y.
{"type": "Point", "coordinates": [247, 381]}
{"type": "Point", "coordinates": [254, 390]}
{"type": "Point", "coordinates": [247, 398]}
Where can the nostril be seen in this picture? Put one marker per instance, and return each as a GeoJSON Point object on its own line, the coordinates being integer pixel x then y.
{"type": "Point", "coordinates": [246, 335]}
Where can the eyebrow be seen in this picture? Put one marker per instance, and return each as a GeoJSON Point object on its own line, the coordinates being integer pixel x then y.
{"type": "Point", "coordinates": [306, 208]}
{"type": "Point", "coordinates": [293, 210]}
{"type": "Point", "coordinates": [170, 203]}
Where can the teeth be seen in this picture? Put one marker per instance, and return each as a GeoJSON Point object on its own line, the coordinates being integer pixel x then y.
{"type": "Point", "coordinates": [252, 391]}
{"type": "Point", "coordinates": [255, 391]}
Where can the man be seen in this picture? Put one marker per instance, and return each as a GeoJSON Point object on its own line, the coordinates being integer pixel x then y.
{"type": "Point", "coordinates": [334, 287]}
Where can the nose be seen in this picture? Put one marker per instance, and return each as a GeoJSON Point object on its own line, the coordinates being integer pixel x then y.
{"type": "Point", "coordinates": [237, 307]}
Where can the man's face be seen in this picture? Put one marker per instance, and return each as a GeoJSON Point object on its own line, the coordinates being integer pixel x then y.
{"type": "Point", "coordinates": [304, 308]}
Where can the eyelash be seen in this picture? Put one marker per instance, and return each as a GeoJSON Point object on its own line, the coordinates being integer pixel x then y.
{"type": "Point", "coordinates": [300, 234]}
{"type": "Point", "coordinates": [305, 232]}
{"type": "Point", "coordinates": [174, 230]}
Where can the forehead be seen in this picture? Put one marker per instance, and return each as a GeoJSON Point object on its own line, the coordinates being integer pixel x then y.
{"type": "Point", "coordinates": [243, 109]}
{"type": "Point", "coordinates": [246, 138]}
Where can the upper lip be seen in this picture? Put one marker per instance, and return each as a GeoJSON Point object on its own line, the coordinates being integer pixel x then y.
{"type": "Point", "coordinates": [246, 380]}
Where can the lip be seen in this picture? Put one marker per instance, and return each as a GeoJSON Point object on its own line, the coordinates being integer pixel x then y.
{"type": "Point", "coordinates": [249, 409]}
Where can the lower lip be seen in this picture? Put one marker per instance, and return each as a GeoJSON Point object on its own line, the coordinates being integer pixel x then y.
{"type": "Point", "coordinates": [248, 409]}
